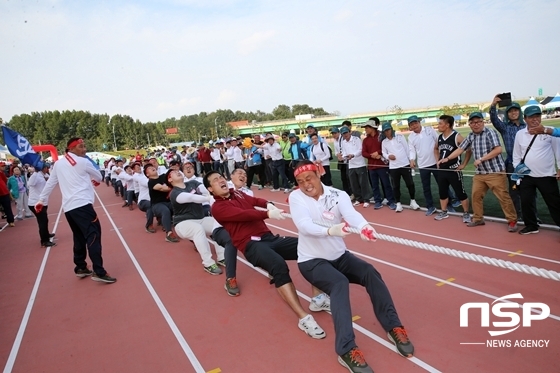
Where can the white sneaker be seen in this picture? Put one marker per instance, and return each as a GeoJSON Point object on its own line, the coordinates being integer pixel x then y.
{"type": "Point", "coordinates": [414, 205]}
{"type": "Point", "coordinates": [366, 204]}
{"type": "Point", "coordinates": [356, 203]}
{"type": "Point", "coordinates": [311, 328]}
{"type": "Point", "coordinates": [275, 190]}
{"type": "Point", "coordinates": [286, 191]}
{"type": "Point", "coordinates": [385, 201]}
{"type": "Point", "coordinates": [399, 207]}
{"type": "Point", "coordinates": [320, 303]}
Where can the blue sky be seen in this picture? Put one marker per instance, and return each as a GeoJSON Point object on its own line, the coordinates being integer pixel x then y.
{"type": "Point", "coordinates": [154, 60]}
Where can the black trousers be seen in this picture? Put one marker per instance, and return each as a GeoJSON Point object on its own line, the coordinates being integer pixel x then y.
{"type": "Point", "coordinates": [334, 278]}
{"type": "Point", "coordinates": [271, 253]}
{"type": "Point", "coordinates": [405, 173]}
{"type": "Point", "coordinates": [259, 170]}
{"type": "Point", "coordinates": [548, 186]}
{"type": "Point", "coordinates": [6, 203]}
{"type": "Point", "coordinates": [222, 238]}
{"type": "Point", "coordinates": [43, 222]}
{"type": "Point", "coordinates": [87, 238]}
{"type": "Point", "coordinates": [343, 167]}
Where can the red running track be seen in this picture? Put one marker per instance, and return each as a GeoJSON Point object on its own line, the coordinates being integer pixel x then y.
{"type": "Point", "coordinates": [165, 314]}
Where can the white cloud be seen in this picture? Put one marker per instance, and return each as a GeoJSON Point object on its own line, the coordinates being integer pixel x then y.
{"type": "Point", "coordinates": [225, 98]}
{"type": "Point", "coordinates": [255, 41]}
{"type": "Point", "coordinates": [343, 15]}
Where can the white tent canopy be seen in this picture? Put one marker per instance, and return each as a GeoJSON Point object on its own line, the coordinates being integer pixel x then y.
{"type": "Point", "coordinates": [532, 102]}
{"type": "Point", "coordinates": [554, 103]}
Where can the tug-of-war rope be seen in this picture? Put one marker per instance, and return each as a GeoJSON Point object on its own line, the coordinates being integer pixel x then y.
{"type": "Point", "coordinates": [523, 268]}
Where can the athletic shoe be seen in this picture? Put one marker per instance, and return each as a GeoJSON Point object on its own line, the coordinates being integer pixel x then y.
{"type": "Point", "coordinates": [275, 190]}
{"type": "Point", "coordinates": [476, 223]}
{"type": "Point", "coordinates": [106, 278]}
{"type": "Point", "coordinates": [392, 206]}
{"type": "Point", "coordinates": [354, 361]}
{"type": "Point", "coordinates": [320, 303]}
{"type": "Point", "coordinates": [356, 203]}
{"type": "Point", "coordinates": [528, 230]}
{"type": "Point", "coordinates": [372, 200]}
{"type": "Point", "coordinates": [11, 224]}
{"type": "Point", "coordinates": [287, 190]}
{"type": "Point", "coordinates": [125, 205]}
{"type": "Point", "coordinates": [213, 270]}
{"type": "Point", "coordinates": [385, 201]}
{"type": "Point", "coordinates": [442, 215]}
{"type": "Point", "coordinates": [171, 238]}
{"type": "Point", "coordinates": [51, 235]}
{"type": "Point", "coordinates": [231, 287]}
{"type": "Point", "coordinates": [131, 207]}
{"type": "Point", "coordinates": [512, 226]}
{"type": "Point", "coordinates": [400, 339]}
{"type": "Point", "coordinates": [377, 206]}
{"type": "Point", "coordinates": [466, 217]}
{"type": "Point", "coordinates": [83, 272]}
{"type": "Point", "coordinates": [430, 211]}
{"type": "Point", "coordinates": [260, 187]}
{"type": "Point", "coordinates": [450, 208]}
{"type": "Point", "coordinates": [311, 328]}
{"type": "Point", "coordinates": [399, 207]}
{"type": "Point", "coordinates": [414, 205]}
{"type": "Point", "coordinates": [366, 205]}
{"type": "Point", "coordinates": [221, 262]}
{"type": "Point", "coordinates": [28, 216]}
{"type": "Point", "coordinates": [456, 203]}
{"type": "Point", "coordinates": [48, 244]}
{"type": "Point", "coordinates": [18, 218]}
{"type": "Point", "coordinates": [150, 229]}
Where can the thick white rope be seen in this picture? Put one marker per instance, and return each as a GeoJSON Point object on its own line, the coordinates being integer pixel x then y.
{"type": "Point", "coordinates": [524, 268]}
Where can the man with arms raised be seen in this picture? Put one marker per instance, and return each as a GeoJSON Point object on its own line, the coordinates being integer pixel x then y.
{"type": "Point", "coordinates": [326, 263]}
{"type": "Point", "coordinates": [236, 212]}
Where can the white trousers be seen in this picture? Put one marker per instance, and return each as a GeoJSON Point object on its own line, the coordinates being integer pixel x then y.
{"type": "Point", "coordinates": [197, 230]}
{"type": "Point", "coordinates": [22, 209]}
{"type": "Point", "coordinates": [231, 165]}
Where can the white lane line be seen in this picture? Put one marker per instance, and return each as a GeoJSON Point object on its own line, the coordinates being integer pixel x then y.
{"type": "Point", "coordinates": [466, 288]}
{"type": "Point", "coordinates": [359, 328]}
{"type": "Point", "coordinates": [21, 331]}
{"type": "Point", "coordinates": [184, 345]}
{"type": "Point", "coordinates": [456, 241]}
{"type": "Point", "coordinates": [4, 227]}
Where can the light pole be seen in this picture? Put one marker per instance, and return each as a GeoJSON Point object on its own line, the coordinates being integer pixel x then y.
{"type": "Point", "coordinates": [216, 127]}
{"type": "Point", "coordinates": [114, 139]}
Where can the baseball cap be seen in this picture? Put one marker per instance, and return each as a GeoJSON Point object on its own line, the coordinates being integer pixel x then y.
{"type": "Point", "coordinates": [335, 130]}
{"type": "Point", "coordinates": [386, 126]}
{"type": "Point", "coordinates": [476, 114]}
{"type": "Point", "coordinates": [413, 118]}
{"type": "Point", "coordinates": [344, 130]}
{"type": "Point", "coordinates": [532, 110]}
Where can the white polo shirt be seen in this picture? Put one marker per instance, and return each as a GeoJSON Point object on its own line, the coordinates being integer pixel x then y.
{"type": "Point", "coordinates": [143, 190]}
{"type": "Point", "coordinates": [398, 147]}
{"type": "Point", "coordinates": [540, 158]}
{"type": "Point", "coordinates": [274, 150]}
{"type": "Point", "coordinates": [36, 184]}
{"type": "Point", "coordinates": [332, 207]}
{"type": "Point", "coordinates": [74, 175]}
{"type": "Point", "coordinates": [422, 145]}
{"type": "Point", "coordinates": [353, 146]}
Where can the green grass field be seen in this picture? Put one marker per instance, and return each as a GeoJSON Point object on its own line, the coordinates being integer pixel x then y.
{"type": "Point", "coordinates": [491, 204]}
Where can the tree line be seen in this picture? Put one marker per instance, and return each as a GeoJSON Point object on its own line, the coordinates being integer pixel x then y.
{"type": "Point", "coordinates": [103, 132]}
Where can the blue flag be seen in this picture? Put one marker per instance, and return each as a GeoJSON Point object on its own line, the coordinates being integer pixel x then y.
{"type": "Point", "coordinates": [20, 148]}
{"type": "Point", "coordinates": [92, 162]}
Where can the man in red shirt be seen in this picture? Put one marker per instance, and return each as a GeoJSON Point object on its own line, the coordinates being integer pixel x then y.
{"type": "Point", "coordinates": [5, 200]}
{"type": "Point", "coordinates": [377, 168]}
{"type": "Point", "coordinates": [205, 158]}
{"type": "Point", "coordinates": [235, 211]}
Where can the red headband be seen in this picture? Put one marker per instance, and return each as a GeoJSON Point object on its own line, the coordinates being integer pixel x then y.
{"type": "Point", "coordinates": [75, 143]}
{"type": "Point", "coordinates": [305, 168]}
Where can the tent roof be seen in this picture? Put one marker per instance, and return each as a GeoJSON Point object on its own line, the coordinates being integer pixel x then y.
{"type": "Point", "coordinates": [547, 100]}
{"type": "Point", "coordinates": [556, 98]}
{"type": "Point", "coordinates": [531, 101]}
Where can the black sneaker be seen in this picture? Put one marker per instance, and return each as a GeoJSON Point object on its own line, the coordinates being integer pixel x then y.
{"type": "Point", "coordinates": [83, 272]}
{"type": "Point", "coordinates": [221, 262]}
{"type": "Point", "coordinates": [231, 287]}
{"type": "Point", "coordinates": [48, 244]}
{"type": "Point", "coordinates": [400, 339]}
{"type": "Point", "coordinates": [51, 235]}
{"type": "Point", "coordinates": [106, 278]}
{"type": "Point", "coordinates": [528, 230]}
{"type": "Point", "coordinates": [354, 361]}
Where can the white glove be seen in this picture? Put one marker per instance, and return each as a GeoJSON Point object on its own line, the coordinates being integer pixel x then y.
{"type": "Point", "coordinates": [368, 233]}
{"type": "Point", "coordinates": [270, 207]}
{"type": "Point", "coordinates": [276, 214]}
{"type": "Point", "coordinates": [338, 230]}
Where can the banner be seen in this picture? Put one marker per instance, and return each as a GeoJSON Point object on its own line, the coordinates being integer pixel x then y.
{"type": "Point", "coordinates": [20, 148]}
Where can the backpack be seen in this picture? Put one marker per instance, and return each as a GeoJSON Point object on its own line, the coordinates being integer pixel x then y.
{"type": "Point", "coordinates": [323, 149]}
